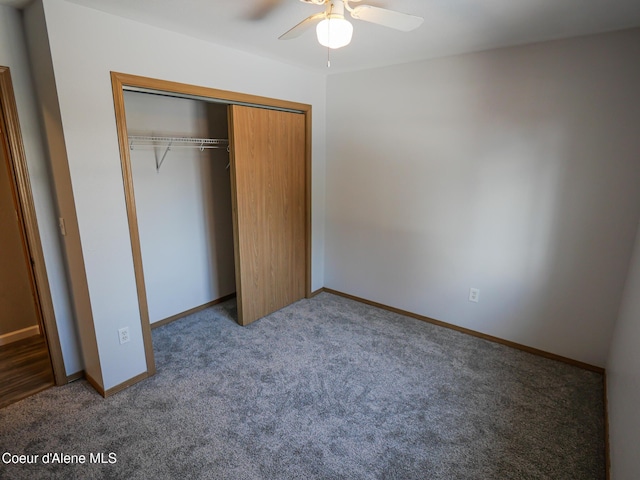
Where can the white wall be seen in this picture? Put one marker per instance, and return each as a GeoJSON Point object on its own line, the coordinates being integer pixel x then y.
{"type": "Point", "coordinates": [184, 209]}
{"type": "Point", "coordinates": [13, 54]}
{"type": "Point", "coordinates": [623, 378]}
{"type": "Point", "coordinates": [514, 171]}
{"type": "Point", "coordinates": [85, 46]}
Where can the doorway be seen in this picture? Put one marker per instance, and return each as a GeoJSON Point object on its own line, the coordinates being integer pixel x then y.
{"type": "Point", "coordinates": [30, 357]}
{"type": "Point", "coordinates": [264, 252]}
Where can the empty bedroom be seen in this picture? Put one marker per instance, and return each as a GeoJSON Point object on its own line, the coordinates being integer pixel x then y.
{"type": "Point", "coordinates": [284, 239]}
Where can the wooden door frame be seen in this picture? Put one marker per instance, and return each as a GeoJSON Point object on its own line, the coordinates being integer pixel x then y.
{"type": "Point", "coordinates": [122, 81]}
{"type": "Point", "coordinates": [20, 172]}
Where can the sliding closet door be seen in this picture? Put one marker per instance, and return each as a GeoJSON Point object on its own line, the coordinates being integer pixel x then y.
{"type": "Point", "coordinates": [268, 190]}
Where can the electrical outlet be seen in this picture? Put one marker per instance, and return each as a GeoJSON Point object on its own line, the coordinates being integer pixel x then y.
{"type": "Point", "coordinates": [474, 295]}
{"type": "Point", "coordinates": [123, 333]}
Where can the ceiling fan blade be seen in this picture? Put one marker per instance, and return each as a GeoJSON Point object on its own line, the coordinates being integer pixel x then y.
{"type": "Point", "coordinates": [387, 18]}
{"type": "Point", "coordinates": [263, 9]}
{"type": "Point", "coordinates": [302, 27]}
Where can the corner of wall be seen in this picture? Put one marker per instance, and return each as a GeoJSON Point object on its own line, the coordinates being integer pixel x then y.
{"type": "Point", "coordinates": [45, 86]}
{"type": "Point", "coordinates": [623, 378]}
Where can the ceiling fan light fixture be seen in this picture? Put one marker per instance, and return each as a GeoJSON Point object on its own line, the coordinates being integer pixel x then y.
{"type": "Point", "coordinates": [334, 31]}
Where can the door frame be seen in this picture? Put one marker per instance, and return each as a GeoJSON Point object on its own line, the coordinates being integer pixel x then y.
{"type": "Point", "coordinates": [123, 81]}
{"type": "Point", "coordinates": [12, 138]}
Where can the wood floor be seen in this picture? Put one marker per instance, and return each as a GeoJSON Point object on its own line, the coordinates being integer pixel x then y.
{"type": "Point", "coordinates": [25, 369]}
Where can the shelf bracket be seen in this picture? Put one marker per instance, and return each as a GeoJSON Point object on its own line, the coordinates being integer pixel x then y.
{"type": "Point", "coordinates": [159, 164]}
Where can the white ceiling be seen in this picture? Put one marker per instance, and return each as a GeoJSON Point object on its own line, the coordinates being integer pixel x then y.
{"type": "Point", "coordinates": [450, 26]}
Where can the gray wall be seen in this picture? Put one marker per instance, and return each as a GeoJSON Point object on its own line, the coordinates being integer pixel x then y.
{"type": "Point", "coordinates": [623, 376]}
{"type": "Point", "coordinates": [13, 54]}
{"type": "Point", "coordinates": [514, 171]}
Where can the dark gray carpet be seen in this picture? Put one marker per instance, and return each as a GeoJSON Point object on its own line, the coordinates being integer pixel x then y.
{"type": "Point", "coordinates": [326, 388]}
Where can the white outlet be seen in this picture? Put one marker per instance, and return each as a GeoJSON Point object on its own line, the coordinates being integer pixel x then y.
{"type": "Point", "coordinates": [474, 295]}
{"type": "Point", "coordinates": [123, 333]}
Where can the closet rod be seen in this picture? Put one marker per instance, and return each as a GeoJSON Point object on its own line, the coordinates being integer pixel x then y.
{"type": "Point", "coordinates": [176, 142]}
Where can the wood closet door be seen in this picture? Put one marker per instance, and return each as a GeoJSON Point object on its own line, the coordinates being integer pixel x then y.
{"type": "Point", "coordinates": [268, 196]}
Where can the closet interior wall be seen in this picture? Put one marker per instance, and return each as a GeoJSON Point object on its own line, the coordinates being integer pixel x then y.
{"type": "Point", "coordinates": [184, 207]}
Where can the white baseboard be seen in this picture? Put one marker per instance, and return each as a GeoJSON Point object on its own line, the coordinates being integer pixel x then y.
{"type": "Point", "coordinates": [16, 335]}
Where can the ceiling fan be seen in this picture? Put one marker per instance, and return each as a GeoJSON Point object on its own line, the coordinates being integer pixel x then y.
{"type": "Point", "coordinates": [334, 31]}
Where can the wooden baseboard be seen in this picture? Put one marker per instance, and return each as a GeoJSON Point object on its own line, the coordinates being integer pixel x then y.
{"type": "Point", "coordinates": [17, 335]}
{"type": "Point", "coordinates": [484, 336]}
{"type": "Point", "coordinates": [607, 451]}
{"type": "Point", "coordinates": [117, 388]}
{"type": "Point", "coordinates": [94, 384]}
{"type": "Point", "coordinates": [178, 316]}
{"type": "Point", "coordinates": [317, 292]}
{"type": "Point", "coordinates": [123, 385]}
{"type": "Point", "coordinates": [75, 376]}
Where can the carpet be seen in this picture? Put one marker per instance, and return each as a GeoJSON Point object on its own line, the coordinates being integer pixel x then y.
{"type": "Point", "coordinates": [327, 388]}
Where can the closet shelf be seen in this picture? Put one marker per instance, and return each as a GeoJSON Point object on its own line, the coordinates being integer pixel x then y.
{"type": "Point", "coordinates": [176, 142]}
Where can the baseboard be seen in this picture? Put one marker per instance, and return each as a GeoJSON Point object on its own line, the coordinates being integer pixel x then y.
{"type": "Point", "coordinates": [484, 336]}
{"type": "Point", "coordinates": [123, 385]}
{"type": "Point", "coordinates": [75, 376]}
{"type": "Point", "coordinates": [607, 451]}
{"type": "Point", "coordinates": [317, 292]}
{"type": "Point", "coordinates": [94, 384]}
{"type": "Point", "coordinates": [180, 315]}
{"type": "Point", "coordinates": [117, 388]}
{"type": "Point", "coordinates": [21, 334]}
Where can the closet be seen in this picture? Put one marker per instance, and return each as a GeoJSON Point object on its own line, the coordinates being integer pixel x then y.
{"type": "Point", "coordinates": [218, 197]}
{"type": "Point", "coordinates": [181, 179]}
